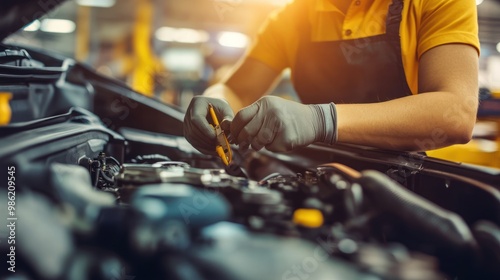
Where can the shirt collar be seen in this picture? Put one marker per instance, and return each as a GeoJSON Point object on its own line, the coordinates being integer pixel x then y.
{"type": "Point", "coordinates": [325, 6]}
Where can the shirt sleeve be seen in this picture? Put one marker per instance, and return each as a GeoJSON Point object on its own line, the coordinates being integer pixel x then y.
{"type": "Point", "coordinates": [270, 46]}
{"type": "Point", "coordinates": [447, 21]}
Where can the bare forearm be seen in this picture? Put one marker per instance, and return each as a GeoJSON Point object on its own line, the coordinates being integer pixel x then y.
{"type": "Point", "coordinates": [250, 80]}
{"type": "Point", "coordinates": [421, 122]}
{"type": "Point", "coordinates": [224, 92]}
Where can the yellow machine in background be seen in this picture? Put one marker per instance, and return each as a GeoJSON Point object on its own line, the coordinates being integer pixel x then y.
{"type": "Point", "coordinates": [478, 152]}
{"type": "Point", "coordinates": [137, 62]}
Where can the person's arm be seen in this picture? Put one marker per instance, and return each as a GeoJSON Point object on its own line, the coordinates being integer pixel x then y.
{"type": "Point", "coordinates": [250, 80]}
{"type": "Point", "coordinates": [263, 63]}
{"type": "Point", "coordinates": [442, 114]}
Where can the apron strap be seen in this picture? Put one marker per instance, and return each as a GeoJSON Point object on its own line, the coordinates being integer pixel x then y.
{"type": "Point", "coordinates": [393, 20]}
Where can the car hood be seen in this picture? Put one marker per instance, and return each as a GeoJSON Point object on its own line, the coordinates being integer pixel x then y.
{"type": "Point", "coordinates": [16, 14]}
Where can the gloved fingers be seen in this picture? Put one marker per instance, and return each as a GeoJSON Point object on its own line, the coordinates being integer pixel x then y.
{"type": "Point", "coordinates": [223, 111]}
{"type": "Point", "coordinates": [241, 120]}
{"type": "Point", "coordinates": [258, 142]}
{"type": "Point", "coordinates": [266, 134]}
{"type": "Point", "coordinates": [199, 133]}
{"type": "Point", "coordinates": [203, 143]}
{"type": "Point", "coordinates": [221, 108]}
{"type": "Point", "coordinates": [202, 128]}
{"type": "Point", "coordinates": [196, 116]}
{"type": "Point", "coordinates": [277, 147]}
{"type": "Point", "coordinates": [284, 141]}
{"type": "Point", "coordinates": [244, 146]}
{"type": "Point", "coordinates": [226, 126]}
{"type": "Point", "coordinates": [256, 145]}
{"type": "Point", "coordinates": [198, 123]}
{"type": "Point", "coordinates": [252, 131]}
{"type": "Point", "coordinates": [199, 114]}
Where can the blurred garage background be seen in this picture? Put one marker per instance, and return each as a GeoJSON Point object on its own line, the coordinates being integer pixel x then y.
{"type": "Point", "coordinates": [167, 49]}
{"type": "Point", "coordinates": [172, 50]}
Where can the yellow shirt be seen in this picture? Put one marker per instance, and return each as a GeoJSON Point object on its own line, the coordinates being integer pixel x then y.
{"type": "Point", "coordinates": [425, 24]}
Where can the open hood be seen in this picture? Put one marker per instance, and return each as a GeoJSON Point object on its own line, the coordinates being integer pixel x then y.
{"type": "Point", "coordinates": [16, 14]}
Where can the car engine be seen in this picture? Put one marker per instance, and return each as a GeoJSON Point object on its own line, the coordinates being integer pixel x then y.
{"type": "Point", "coordinates": [99, 190]}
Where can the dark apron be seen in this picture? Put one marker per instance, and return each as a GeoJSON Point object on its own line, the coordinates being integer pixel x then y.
{"type": "Point", "coordinates": [365, 70]}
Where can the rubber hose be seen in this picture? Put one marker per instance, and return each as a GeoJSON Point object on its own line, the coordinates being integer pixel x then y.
{"type": "Point", "coordinates": [488, 237]}
{"type": "Point", "coordinates": [446, 228]}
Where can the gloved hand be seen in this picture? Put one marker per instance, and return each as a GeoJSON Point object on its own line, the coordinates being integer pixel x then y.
{"type": "Point", "coordinates": [281, 125]}
{"type": "Point", "coordinates": [197, 122]}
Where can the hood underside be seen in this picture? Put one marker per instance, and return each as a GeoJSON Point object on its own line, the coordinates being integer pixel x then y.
{"type": "Point", "coordinates": [16, 14]}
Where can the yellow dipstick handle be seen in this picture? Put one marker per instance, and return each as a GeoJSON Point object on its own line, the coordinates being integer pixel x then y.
{"type": "Point", "coordinates": [222, 155]}
{"type": "Point", "coordinates": [5, 111]}
{"type": "Point", "coordinates": [213, 115]}
{"type": "Point", "coordinates": [223, 150]}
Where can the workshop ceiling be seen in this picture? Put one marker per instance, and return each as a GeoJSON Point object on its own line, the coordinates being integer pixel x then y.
{"type": "Point", "coordinates": [115, 23]}
{"type": "Point", "coordinates": [247, 15]}
{"type": "Point", "coordinates": [211, 15]}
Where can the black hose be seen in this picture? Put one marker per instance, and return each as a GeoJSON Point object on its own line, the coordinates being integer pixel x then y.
{"type": "Point", "coordinates": [443, 227]}
{"type": "Point", "coordinates": [488, 237]}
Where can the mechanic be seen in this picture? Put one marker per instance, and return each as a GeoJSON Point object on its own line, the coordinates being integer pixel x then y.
{"type": "Point", "coordinates": [391, 74]}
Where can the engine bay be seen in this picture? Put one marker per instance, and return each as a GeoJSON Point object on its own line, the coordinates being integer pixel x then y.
{"type": "Point", "coordinates": [131, 204]}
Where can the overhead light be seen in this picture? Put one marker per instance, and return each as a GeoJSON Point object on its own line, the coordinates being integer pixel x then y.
{"type": "Point", "coordinates": [498, 47]}
{"type": "Point", "coordinates": [182, 35]}
{"type": "Point", "coordinates": [97, 3]}
{"type": "Point", "coordinates": [183, 59]}
{"type": "Point", "coordinates": [58, 26]}
{"type": "Point", "coordinates": [165, 34]}
{"type": "Point", "coordinates": [233, 39]}
{"type": "Point", "coordinates": [186, 35]}
{"type": "Point", "coordinates": [34, 26]}
{"type": "Point", "coordinates": [478, 2]}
